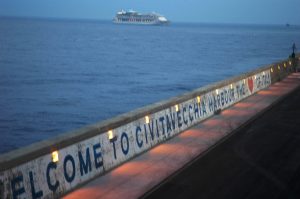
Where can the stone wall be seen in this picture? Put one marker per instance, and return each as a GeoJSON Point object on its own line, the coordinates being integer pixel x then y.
{"type": "Point", "coordinates": [51, 168]}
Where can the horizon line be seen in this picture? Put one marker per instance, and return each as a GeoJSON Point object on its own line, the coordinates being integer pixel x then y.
{"type": "Point", "coordinates": [106, 19]}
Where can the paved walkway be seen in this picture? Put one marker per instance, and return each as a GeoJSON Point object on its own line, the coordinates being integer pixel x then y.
{"type": "Point", "coordinates": [134, 178]}
{"type": "Point", "coordinates": [260, 160]}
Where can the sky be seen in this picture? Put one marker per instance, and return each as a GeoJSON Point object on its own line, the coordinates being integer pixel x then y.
{"type": "Point", "coordinates": [204, 11]}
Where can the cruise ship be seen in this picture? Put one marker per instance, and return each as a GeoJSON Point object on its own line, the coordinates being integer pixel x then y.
{"type": "Point", "coordinates": [133, 17]}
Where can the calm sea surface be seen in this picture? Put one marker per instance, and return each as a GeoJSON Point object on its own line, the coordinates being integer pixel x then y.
{"type": "Point", "coordinates": [59, 75]}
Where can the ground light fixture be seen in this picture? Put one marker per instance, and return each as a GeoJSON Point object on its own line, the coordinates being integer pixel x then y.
{"type": "Point", "coordinates": [110, 135]}
{"type": "Point", "coordinates": [147, 119]}
{"type": "Point", "coordinates": [55, 156]}
{"type": "Point", "coordinates": [176, 107]}
{"type": "Point", "coordinates": [198, 99]}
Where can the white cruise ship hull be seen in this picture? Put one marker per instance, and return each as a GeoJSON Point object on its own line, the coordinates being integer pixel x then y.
{"type": "Point", "coordinates": [133, 17]}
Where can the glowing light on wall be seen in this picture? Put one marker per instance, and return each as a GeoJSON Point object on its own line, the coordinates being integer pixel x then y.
{"type": "Point", "coordinates": [284, 65]}
{"type": "Point", "coordinates": [271, 70]}
{"type": "Point", "coordinates": [176, 107]}
{"type": "Point", "coordinates": [278, 67]}
{"type": "Point", "coordinates": [147, 119]}
{"type": "Point", "coordinates": [231, 86]}
{"type": "Point", "coordinates": [198, 99]}
{"type": "Point", "coordinates": [110, 134]}
{"type": "Point", "coordinates": [55, 156]}
{"type": "Point", "coordinates": [217, 91]}
{"type": "Point", "coordinates": [290, 63]}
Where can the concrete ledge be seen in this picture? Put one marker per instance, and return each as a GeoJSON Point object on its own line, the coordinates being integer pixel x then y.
{"type": "Point", "coordinates": [37, 156]}
{"type": "Point", "coordinates": [24, 154]}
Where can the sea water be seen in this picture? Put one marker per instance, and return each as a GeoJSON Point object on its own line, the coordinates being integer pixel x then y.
{"type": "Point", "coordinates": [59, 75]}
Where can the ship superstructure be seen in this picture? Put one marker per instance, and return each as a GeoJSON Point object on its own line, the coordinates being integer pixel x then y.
{"type": "Point", "coordinates": [133, 17]}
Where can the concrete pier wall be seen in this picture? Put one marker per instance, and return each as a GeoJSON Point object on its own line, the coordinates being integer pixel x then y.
{"type": "Point", "coordinates": [51, 168]}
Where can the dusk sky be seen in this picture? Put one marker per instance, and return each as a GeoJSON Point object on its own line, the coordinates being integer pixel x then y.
{"type": "Point", "coordinates": [217, 11]}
